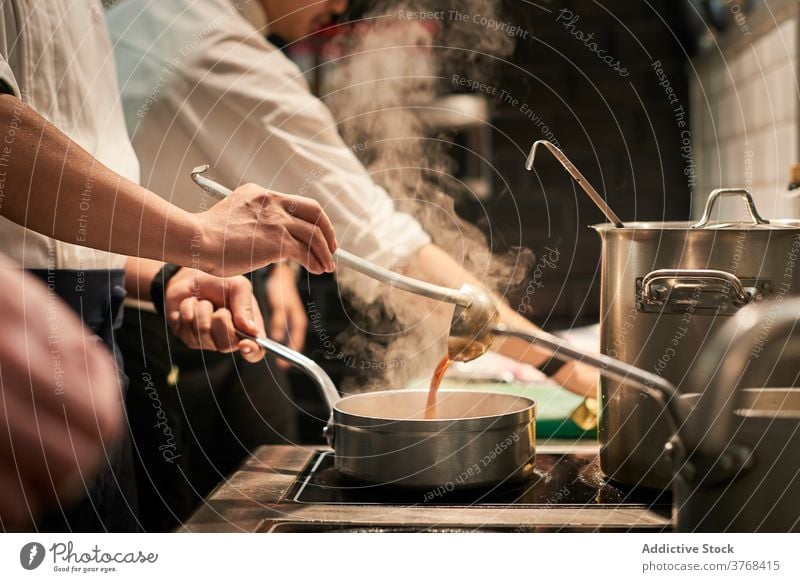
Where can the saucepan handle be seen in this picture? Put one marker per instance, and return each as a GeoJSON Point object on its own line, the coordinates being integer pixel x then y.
{"type": "Point", "coordinates": [755, 217]}
{"type": "Point", "coordinates": [326, 386]}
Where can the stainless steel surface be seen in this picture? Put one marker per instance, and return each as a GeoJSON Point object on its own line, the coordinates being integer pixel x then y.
{"type": "Point", "coordinates": [664, 335]}
{"type": "Point", "coordinates": [705, 220]}
{"type": "Point", "coordinates": [384, 437]}
{"type": "Point", "coordinates": [579, 178]}
{"type": "Point", "coordinates": [326, 386]}
{"type": "Point", "coordinates": [644, 381]}
{"type": "Point", "coordinates": [471, 327]}
{"type": "Point", "coordinates": [699, 279]}
{"type": "Point", "coordinates": [475, 310]}
{"type": "Point", "coordinates": [735, 456]}
{"type": "Point", "coordinates": [255, 499]}
{"type": "Point", "coordinates": [706, 291]}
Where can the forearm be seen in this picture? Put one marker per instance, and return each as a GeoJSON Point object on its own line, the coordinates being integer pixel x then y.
{"type": "Point", "coordinates": [139, 275]}
{"type": "Point", "coordinates": [56, 188]}
{"type": "Point", "coordinates": [433, 264]}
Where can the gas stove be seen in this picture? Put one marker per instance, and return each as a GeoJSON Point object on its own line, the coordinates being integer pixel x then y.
{"type": "Point", "coordinates": [294, 489]}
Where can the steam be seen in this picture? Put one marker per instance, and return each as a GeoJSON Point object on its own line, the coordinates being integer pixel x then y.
{"type": "Point", "coordinates": [395, 65]}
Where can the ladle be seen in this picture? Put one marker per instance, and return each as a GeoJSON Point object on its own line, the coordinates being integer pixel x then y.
{"type": "Point", "coordinates": [475, 311]}
{"type": "Point", "coordinates": [579, 178]}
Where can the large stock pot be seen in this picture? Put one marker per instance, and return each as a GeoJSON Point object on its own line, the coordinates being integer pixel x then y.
{"type": "Point", "coordinates": [665, 288]}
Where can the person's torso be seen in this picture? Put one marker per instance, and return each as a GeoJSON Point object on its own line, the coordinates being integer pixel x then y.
{"type": "Point", "coordinates": [167, 114]}
{"type": "Point", "coordinates": [61, 58]}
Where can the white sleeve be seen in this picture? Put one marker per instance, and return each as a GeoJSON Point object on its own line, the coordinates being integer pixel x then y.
{"type": "Point", "coordinates": [259, 123]}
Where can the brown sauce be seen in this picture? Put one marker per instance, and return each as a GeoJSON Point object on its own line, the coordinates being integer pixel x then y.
{"type": "Point", "coordinates": [436, 381]}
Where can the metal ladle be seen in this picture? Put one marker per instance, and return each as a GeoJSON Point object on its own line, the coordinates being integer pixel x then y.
{"type": "Point", "coordinates": [578, 177]}
{"type": "Point", "coordinates": [475, 312]}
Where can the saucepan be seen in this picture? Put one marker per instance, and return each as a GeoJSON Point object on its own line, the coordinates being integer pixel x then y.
{"type": "Point", "coordinates": [475, 439]}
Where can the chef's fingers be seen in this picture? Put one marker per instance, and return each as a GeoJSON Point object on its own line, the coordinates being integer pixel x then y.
{"type": "Point", "coordinates": [298, 251]}
{"type": "Point", "coordinates": [204, 311]}
{"type": "Point", "coordinates": [240, 302]}
{"type": "Point", "coordinates": [186, 329]}
{"type": "Point", "coordinates": [261, 329]}
{"type": "Point", "coordinates": [227, 340]}
{"type": "Point", "coordinates": [311, 211]}
{"type": "Point", "coordinates": [314, 240]}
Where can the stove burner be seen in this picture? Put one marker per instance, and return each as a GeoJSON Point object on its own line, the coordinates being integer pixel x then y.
{"type": "Point", "coordinates": [563, 480]}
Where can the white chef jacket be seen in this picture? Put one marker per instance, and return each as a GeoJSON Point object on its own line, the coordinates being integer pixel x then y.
{"type": "Point", "coordinates": [56, 57]}
{"type": "Point", "coordinates": [200, 84]}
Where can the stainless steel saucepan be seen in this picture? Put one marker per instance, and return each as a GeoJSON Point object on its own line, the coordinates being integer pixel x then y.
{"type": "Point", "coordinates": [476, 438]}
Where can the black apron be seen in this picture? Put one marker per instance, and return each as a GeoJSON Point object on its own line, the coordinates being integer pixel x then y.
{"type": "Point", "coordinates": [195, 415]}
{"type": "Point", "coordinates": [111, 503]}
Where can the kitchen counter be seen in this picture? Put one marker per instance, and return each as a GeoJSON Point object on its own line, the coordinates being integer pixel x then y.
{"type": "Point", "coordinates": [262, 496]}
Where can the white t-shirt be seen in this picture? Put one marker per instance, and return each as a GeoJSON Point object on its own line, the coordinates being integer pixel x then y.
{"type": "Point", "coordinates": [56, 57]}
{"type": "Point", "coordinates": [200, 84]}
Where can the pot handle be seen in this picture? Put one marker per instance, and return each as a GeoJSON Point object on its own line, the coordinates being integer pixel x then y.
{"type": "Point", "coordinates": [314, 371]}
{"type": "Point", "coordinates": [755, 217]}
{"type": "Point", "coordinates": [743, 297]}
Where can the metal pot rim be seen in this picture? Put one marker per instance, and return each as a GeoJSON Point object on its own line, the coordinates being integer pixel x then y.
{"type": "Point", "coordinates": [526, 413]}
{"type": "Point", "coordinates": [786, 224]}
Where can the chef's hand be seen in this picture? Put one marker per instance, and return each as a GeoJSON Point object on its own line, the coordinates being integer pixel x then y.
{"type": "Point", "coordinates": [288, 320]}
{"type": "Point", "coordinates": [578, 378]}
{"type": "Point", "coordinates": [254, 227]}
{"type": "Point", "coordinates": [60, 400]}
{"type": "Point", "coordinates": [205, 311]}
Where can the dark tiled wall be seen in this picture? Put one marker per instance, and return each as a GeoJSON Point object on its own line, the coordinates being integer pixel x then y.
{"type": "Point", "coordinates": [621, 132]}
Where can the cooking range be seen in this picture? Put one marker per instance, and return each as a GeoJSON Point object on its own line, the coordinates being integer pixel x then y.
{"type": "Point", "coordinates": [293, 489]}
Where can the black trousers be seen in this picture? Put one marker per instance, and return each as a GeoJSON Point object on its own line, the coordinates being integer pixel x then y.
{"type": "Point", "coordinates": [111, 501]}
{"type": "Point", "coordinates": [195, 415]}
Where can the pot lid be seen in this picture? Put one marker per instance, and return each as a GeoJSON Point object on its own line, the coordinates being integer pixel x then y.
{"type": "Point", "coordinates": [754, 221]}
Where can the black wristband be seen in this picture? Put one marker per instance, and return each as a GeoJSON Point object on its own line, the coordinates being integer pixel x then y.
{"type": "Point", "coordinates": [551, 366]}
{"type": "Point", "coordinates": [159, 285]}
